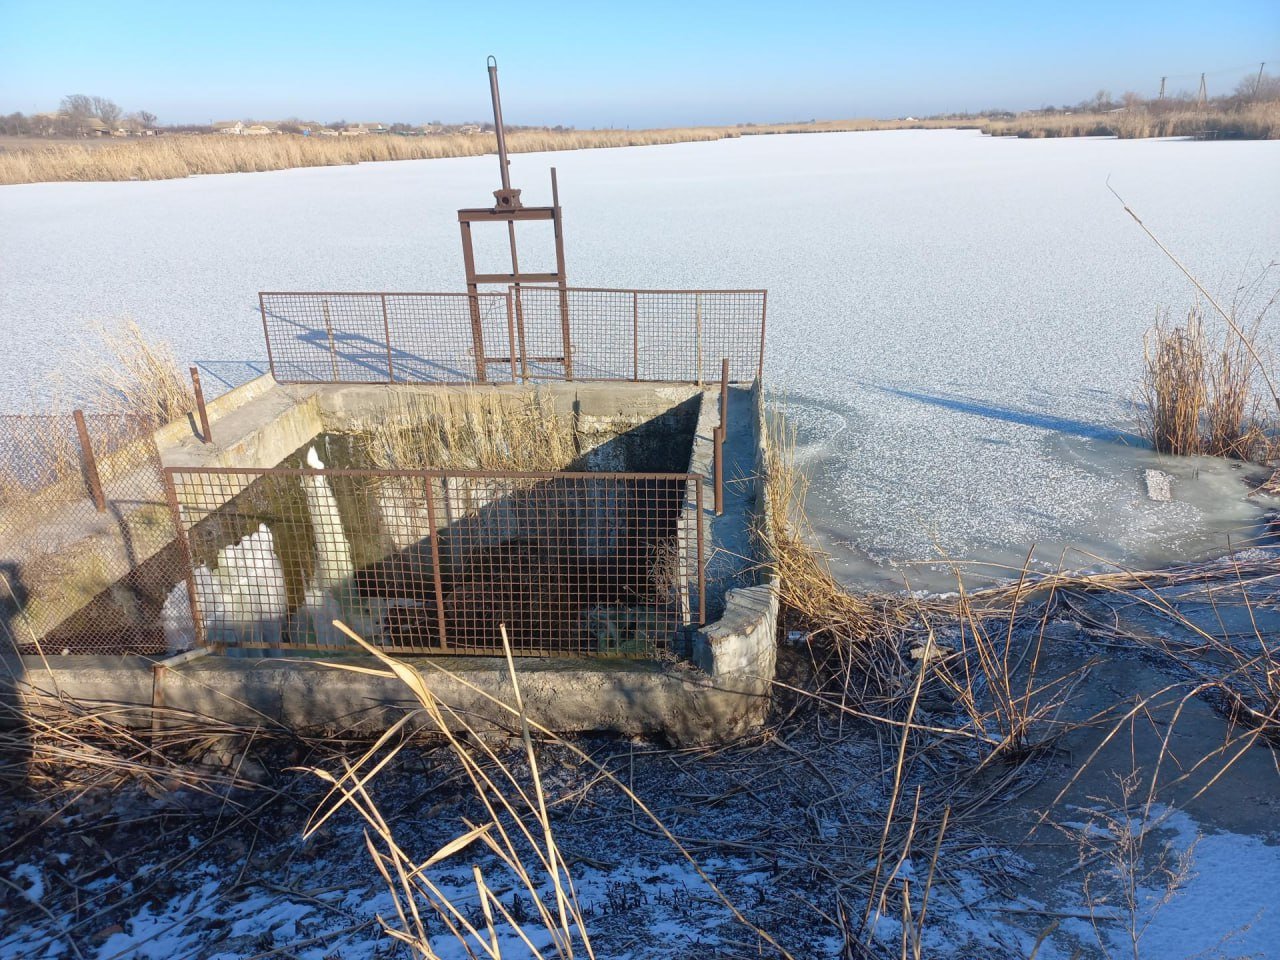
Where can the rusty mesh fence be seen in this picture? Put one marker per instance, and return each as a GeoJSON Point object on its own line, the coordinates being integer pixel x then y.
{"type": "Point", "coordinates": [531, 333]}
{"type": "Point", "coordinates": [388, 337]}
{"type": "Point", "coordinates": [584, 564]}
{"type": "Point", "coordinates": [641, 335]}
{"type": "Point", "coordinates": [88, 556]}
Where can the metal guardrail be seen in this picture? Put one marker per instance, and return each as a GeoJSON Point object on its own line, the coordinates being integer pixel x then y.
{"type": "Point", "coordinates": [530, 333]}
{"type": "Point", "coordinates": [581, 564]}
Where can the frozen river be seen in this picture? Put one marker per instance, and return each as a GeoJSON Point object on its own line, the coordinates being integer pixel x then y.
{"type": "Point", "coordinates": [955, 321]}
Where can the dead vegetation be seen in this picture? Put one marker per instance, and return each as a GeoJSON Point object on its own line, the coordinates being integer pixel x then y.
{"type": "Point", "coordinates": [1249, 121]}
{"type": "Point", "coordinates": [470, 430]}
{"type": "Point", "coordinates": [129, 385]}
{"type": "Point", "coordinates": [164, 158]}
{"type": "Point", "coordinates": [1199, 390]}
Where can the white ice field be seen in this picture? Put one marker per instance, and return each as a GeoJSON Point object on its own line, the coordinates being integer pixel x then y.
{"type": "Point", "coordinates": [955, 321]}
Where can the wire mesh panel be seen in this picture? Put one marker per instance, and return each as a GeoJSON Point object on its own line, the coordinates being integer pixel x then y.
{"type": "Point", "coordinates": [646, 335]}
{"type": "Point", "coordinates": [88, 562]}
{"type": "Point", "coordinates": [388, 337]}
{"type": "Point", "coordinates": [432, 562]}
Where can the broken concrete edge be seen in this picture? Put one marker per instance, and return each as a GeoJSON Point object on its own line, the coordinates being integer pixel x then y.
{"type": "Point", "coordinates": [741, 648]}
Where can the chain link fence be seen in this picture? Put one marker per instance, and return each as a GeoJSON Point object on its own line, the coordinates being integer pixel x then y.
{"type": "Point", "coordinates": [88, 559]}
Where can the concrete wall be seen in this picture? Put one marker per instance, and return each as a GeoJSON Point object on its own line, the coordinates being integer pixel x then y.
{"type": "Point", "coordinates": [722, 693]}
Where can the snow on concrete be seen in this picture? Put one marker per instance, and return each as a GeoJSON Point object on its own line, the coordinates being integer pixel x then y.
{"type": "Point", "coordinates": [955, 321]}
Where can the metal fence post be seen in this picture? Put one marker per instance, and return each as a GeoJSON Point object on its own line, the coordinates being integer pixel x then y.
{"type": "Point", "coordinates": [702, 570]}
{"type": "Point", "coordinates": [764, 305]}
{"type": "Point", "coordinates": [433, 538]}
{"type": "Point", "coordinates": [266, 333]}
{"type": "Point", "coordinates": [635, 335]}
{"type": "Point", "coordinates": [199, 633]}
{"type": "Point", "coordinates": [386, 329]}
{"type": "Point", "coordinates": [328, 329]}
{"type": "Point", "coordinates": [90, 463]}
{"type": "Point", "coordinates": [697, 333]}
{"type": "Point", "coordinates": [717, 436]}
{"type": "Point", "coordinates": [201, 411]}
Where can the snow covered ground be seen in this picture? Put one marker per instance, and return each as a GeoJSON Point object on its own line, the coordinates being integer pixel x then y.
{"type": "Point", "coordinates": [955, 321]}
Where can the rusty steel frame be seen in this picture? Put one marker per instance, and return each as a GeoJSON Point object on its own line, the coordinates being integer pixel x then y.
{"type": "Point", "coordinates": [683, 494]}
{"type": "Point", "coordinates": [509, 209]}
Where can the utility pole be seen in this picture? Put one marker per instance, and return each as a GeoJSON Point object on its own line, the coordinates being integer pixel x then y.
{"type": "Point", "coordinates": [1162, 80]}
{"type": "Point", "coordinates": [1257, 84]}
{"type": "Point", "coordinates": [1203, 95]}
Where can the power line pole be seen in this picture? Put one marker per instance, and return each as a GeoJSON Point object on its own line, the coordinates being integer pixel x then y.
{"type": "Point", "coordinates": [1203, 95]}
{"type": "Point", "coordinates": [1257, 84]}
{"type": "Point", "coordinates": [1162, 80]}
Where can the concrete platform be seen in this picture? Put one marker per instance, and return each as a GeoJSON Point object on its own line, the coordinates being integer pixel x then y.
{"type": "Point", "coordinates": [721, 691]}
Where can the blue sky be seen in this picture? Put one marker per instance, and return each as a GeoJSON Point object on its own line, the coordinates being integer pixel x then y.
{"type": "Point", "coordinates": [604, 64]}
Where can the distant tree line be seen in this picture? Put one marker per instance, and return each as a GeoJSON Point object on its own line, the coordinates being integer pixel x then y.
{"type": "Point", "coordinates": [79, 115]}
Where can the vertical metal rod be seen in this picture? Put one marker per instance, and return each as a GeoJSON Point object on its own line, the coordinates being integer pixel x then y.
{"type": "Point", "coordinates": [433, 538]}
{"type": "Point", "coordinates": [266, 333]}
{"type": "Point", "coordinates": [201, 410]}
{"type": "Point", "coordinates": [188, 561]}
{"type": "Point", "coordinates": [697, 332]}
{"type": "Point", "coordinates": [511, 336]}
{"type": "Point", "coordinates": [497, 124]}
{"type": "Point", "coordinates": [477, 332]}
{"type": "Point", "coordinates": [635, 335]}
{"type": "Point", "coordinates": [557, 224]}
{"type": "Point", "coordinates": [724, 393]}
{"type": "Point", "coordinates": [328, 329]}
{"type": "Point", "coordinates": [90, 463]}
{"type": "Point", "coordinates": [720, 433]}
{"type": "Point", "coordinates": [702, 573]}
{"type": "Point", "coordinates": [386, 329]}
{"type": "Point", "coordinates": [717, 436]}
{"type": "Point", "coordinates": [764, 305]}
{"type": "Point", "coordinates": [524, 350]}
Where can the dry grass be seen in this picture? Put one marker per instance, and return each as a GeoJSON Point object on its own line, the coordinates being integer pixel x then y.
{"type": "Point", "coordinates": [175, 156]}
{"type": "Point", "coordinates": [517, 831]}
{"type": "Point", "coordinates": [1199, 389]}
{"type": "Point", "coordinates": [1255, 121]}
{"type": "Point", "coordinates": [472, 430]}
{"type": "Point", "coordinates": [850, 628]}
{"type": "Point", "coordinates": [128, 384]}
{"type": "Point", "coordinates": [121, 370]}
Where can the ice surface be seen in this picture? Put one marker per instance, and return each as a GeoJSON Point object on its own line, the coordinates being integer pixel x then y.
{"type": "Point", "coordinates": [955, 321]}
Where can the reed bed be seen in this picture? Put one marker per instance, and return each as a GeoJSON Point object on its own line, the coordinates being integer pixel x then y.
{"type": "Point", "coordinates": [1255, 121]}
{"type": "Point", "coordinates": [175, 156]}
{"type": "Point", "coordinates": [471, 430]}
{"type": "Point", "coordinates": [122, 370]}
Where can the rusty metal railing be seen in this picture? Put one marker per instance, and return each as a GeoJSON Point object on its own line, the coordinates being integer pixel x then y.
{"type": "Point", "coordinates": [87, 553]}
{"type": "Point", "coordinates": [582, 564]}
{"type": "Point", "coordinates": [388, 337]}
{"type": "Point", "coordinates": [530, 333]}
{"type": "Point", "coordinates": [672, 336]}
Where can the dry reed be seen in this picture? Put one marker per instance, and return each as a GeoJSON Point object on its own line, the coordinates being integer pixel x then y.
{"type": "Point", "coordinates": [1255, 121]}
{"type": "Point", "coordinates": [471, 430]}
{"type": "Point", "coordinates": [122, 370]}
{"type": "Point", "coordinates": [169, 157]}
{"type": "Point", "coordinates": [1198, 391]}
